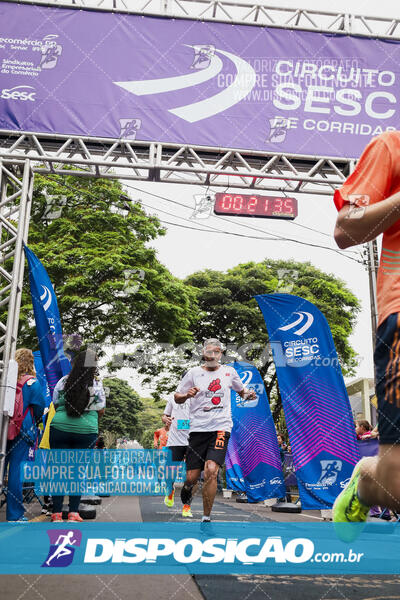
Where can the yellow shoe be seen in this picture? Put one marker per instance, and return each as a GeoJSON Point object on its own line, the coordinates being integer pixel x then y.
{"type": "Point", "coordinates": [169, 500]}
{"type": "Point", "coordinates": [186, 511]}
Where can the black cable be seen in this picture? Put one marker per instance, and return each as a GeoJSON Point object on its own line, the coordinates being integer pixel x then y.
{"type": "Point", "coordinates": [214, 230]}
{"type": "Point", "coordinates": [276, 236]}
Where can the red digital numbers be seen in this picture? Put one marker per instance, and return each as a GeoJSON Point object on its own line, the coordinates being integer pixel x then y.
{"type": "Point", "coordinates": [226, 202]}
{"type": "Point", "coordinates": [257, 206]}
{"type": "Point", "coordinates": [252, 204]}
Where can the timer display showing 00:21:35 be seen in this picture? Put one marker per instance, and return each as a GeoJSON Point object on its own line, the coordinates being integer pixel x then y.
{"type": "Point", "coordinates": [246, 205]}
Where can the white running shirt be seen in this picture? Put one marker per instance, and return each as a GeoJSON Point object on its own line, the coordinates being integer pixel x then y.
{"type": "Point", "coordinates": [178, 412]}
{"type": "Point", "coordinates": [210, 409]}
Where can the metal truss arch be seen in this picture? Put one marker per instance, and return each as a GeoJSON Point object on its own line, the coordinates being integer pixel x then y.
{"type": "Point", "coordinates": [251, 13]}
{"type": "Point", "coordinates": [172, 163]}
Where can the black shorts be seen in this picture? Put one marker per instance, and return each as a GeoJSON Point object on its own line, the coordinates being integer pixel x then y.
{"type": "Point", "coordinates": [387, 362]}
{"type": "Point", "coordinates": [178, 453]}
{"type": "Point", "coordinates": [206, 445]}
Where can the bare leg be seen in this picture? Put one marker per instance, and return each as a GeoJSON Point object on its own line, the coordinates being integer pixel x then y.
{"type": "Point", "coordinates": [211, 469]}
{"type": "Point", "coordinates": [380, 478]}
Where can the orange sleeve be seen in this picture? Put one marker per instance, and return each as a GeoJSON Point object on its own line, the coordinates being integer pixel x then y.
{"type": "Point", "coordinates": [371, 178]}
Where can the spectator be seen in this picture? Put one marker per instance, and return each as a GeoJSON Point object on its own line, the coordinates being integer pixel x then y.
{"type": "Point", "coordinates": [18, 448]}
{"type": "Point", "coordinates": [282, 449]}
{"type": "Point", "coordinates": [282, 445]}
{"type": "Point", "coordinates": [161, 437]}
{"type": "Point", "coordinates": [79, 401]}
{"type": "Point", "coordinates": [363, 430]}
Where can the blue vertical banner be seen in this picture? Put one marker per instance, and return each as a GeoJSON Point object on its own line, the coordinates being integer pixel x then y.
{"type": "Point", "coordinates": [48, 322]}
{"type": "Point", "coordinates": [41, 376]}
{"type": "Point", "coordinates": [314, 397]}
{"type": "Point", "coordinates": [253, 463]}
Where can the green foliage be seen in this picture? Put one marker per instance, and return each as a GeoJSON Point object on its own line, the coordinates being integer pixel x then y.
{"type": "Point", "coordinates": [147, 439]}
{"type": "Point", "coordinates": [149, 419]}
{"type": "Point", "coordinates": [228, 311]}
{"type": "Point", "coordinates": [109, 284]}
{"type": "Point", "coordinates": [233, 315]}
{"type": "Point", "coordinates": [122, 410]}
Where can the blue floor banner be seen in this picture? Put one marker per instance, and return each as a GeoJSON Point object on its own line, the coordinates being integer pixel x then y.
{"type": "Point", "coordinates": [48, 322]}
{"type": "Point", "coordinates": [314, 397]}
{"type": "Point", "coordinates": [214, 548]}
{"type": "Point", "coordinates": [253, 463]}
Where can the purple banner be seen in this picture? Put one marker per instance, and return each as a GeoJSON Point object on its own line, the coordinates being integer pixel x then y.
{"type": "Point", "coordinates": [102, 74]}
{"type": "Point", "coordinates": [368, 447]}
{"type": "Point", "coordinates": [314, 397]}
{"type": "Point", "coordinates": [253, 463]}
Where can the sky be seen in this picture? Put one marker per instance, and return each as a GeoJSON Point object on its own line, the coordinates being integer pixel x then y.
{"type": "Point", "coordinates": [185, 251]}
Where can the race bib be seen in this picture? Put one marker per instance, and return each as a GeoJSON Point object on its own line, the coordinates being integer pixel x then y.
{"type": "Point", "coordinates": [183, 423]}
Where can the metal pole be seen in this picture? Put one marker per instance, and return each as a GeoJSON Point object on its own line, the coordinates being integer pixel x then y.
{"type": "Point", "coordinates": [372, 251]}
{"type": "Point", "coordinates": [15, 302]}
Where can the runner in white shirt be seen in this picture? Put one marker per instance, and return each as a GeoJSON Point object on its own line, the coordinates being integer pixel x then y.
{"type": "Point", "coordinates": [209, 388]}
{"type": "Point", "coordinates": [177, 417]}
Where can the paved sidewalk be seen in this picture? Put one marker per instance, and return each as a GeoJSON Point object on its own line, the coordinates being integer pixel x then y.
{"type": "Point", "coordinates": [99, 587]}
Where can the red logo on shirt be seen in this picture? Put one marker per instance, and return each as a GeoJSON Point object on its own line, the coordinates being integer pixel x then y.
{"type": "Point", "coordinates": [214, 386]}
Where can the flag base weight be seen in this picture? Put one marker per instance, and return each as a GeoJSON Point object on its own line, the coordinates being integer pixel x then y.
{"type": "Point", "coordinates": [286, 507]}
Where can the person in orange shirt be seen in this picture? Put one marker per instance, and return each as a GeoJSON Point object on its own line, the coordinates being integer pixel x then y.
{"type": "Point", "coordinates": [368, 205]}
{"type": "Point", "coordinates": [161, 437]}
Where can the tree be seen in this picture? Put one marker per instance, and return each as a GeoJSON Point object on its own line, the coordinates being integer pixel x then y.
{"type": "Point", "coordinates": [149, 418]}
{"type": "Point", "coordinates": [122, 410]}
{"type": "Point", "coordinates": [228, 311]}
{"type": "Point", "coordinates": [147, 439]}
{"type": "Point", "coordinates": [109, 284]}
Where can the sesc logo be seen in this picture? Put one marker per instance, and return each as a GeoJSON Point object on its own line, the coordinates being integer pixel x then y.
{"type": "Point", "coordinates": [276, 481]}
{"type": "Point", "coordinates": [19, 92]}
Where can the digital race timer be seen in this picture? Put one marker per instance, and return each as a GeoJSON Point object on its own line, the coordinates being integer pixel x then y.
{"type": "Point", "coordinates": [244, 205]}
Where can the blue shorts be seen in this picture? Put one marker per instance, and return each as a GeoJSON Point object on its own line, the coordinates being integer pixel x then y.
{"type": "Point", "coordinates": [387, 363]}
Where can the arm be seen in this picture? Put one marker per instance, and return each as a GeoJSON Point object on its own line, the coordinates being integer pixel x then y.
{"type": "Point", "coordinates": [366, 208]}
{"type": "Point", "coordinates": [181, 398]}
{"type": "Point", "coordinates": [374, 221]}
{"type": "Point", "coordinates": [166, 419]}
{"type": "Point", "coordinates": [238, 386]}
{"type": "Point", "coordinates": [186, 389]}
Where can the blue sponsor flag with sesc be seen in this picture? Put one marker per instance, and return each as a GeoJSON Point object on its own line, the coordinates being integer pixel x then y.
{"type": "Point", "coordinates": [48, 323]}
{"type": "Point", "coordinates": [253, 463]}
{"type": "Point", "coordinates": [41, 376]}
{"type": "Point", "coordinates": [315, 401]}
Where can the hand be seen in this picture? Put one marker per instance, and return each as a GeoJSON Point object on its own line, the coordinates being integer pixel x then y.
{"type": "Point", "coordinates": [166, 420]}
{"type": "Point", "coordinates": [249, 395]}
{"type": "Point", "coordinates": [192, 392]}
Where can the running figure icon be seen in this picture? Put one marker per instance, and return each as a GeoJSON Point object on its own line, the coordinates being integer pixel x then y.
{"type": "Point", "coordinates": [62, 542]}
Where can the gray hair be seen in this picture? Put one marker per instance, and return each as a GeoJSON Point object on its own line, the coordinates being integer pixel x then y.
{"type": "Point", "coordinates": [213, 342]}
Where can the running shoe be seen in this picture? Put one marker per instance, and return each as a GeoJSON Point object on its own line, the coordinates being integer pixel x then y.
{"type": "Point", "coordinates": [74, 517]}
{"type": "Point", "coordinates": [169, 500]}
{"type": "Point", "coordinates": [56, 518]}
{"type": "Point", "coordinates": [186, 511]}
{"type": "Point", "coordinates": [347, 507]}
